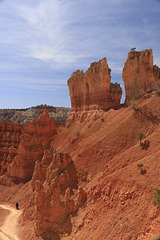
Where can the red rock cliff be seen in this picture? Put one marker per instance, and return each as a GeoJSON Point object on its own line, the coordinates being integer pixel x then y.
{"type": "Point", "coordinates": [10, 135]}
{"type": "Point", "coordinates": [92, 90]}
{"type": "Point", "coordinates": [139, 67]}
{"type": "Point", "coordinates": [36, 137]}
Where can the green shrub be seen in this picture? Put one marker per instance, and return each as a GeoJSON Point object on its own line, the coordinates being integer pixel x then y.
{"type": "Point", "coordinates": [139, 165]}
{"type": "Point", "coordinates": [156, 198]}
{"type": "Point", "coordinates": [141, 136]}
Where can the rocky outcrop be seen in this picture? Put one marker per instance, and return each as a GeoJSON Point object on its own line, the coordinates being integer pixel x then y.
{"type": "Point", "coordinates": [36, 137]}
{"type": "Point", "coordinates": [139, 74]}
{"type": "Point", "coordinates": [156, 73]}
{"type": "Point", "coordinates": [57, 196]}
{"type": "Point", "coordinates": [92, 91]}
{"type": "Point", "coordinates": [116, 93]}
{"type": "Point", "coordinates": [10, 135]}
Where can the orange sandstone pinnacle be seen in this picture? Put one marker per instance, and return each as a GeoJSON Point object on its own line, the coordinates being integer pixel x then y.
{"type": "Point", "coordinates": [139, 67]}
{"type": "Point", "coordinates": [92, 90]}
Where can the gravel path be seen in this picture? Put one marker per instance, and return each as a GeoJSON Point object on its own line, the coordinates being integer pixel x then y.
{"type": "Point", "coordinates": [8, 231]}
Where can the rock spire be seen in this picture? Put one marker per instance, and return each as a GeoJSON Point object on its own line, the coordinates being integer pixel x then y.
{"type": "Point", "coordinates": [92, 90]}
{"type": "Point", "coordinates": [139, 70]}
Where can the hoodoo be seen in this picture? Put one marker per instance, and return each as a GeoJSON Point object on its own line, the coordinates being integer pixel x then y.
{"type": "Point", "coordinates": [36, 137]}
{"type": "Point", "coordinates": [140, 71]}
{"type": "Point", "coordinates": [92, 91]}
{"type": "Point", "coordinates": [57, 194]}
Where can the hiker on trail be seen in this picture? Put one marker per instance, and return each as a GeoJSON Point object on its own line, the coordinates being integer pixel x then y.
{"type": "Point", "coordinates": [17, 206]}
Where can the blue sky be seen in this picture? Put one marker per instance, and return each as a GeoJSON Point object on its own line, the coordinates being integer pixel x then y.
{"type": "Point", "coordinates": [43, 41]}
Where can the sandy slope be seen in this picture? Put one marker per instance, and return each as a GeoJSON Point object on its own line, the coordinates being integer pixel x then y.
{"type": "Point", "coordinates": [8, 231]}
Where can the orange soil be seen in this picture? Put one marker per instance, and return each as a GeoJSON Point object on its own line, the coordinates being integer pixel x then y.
{"type": "Point", "coordinates": [106, 154]}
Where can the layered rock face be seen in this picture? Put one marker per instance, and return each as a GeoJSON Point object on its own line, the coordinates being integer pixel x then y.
{"type": "Point", "coordinates": [139, 74]}
{"type": "Point", "coordinates": [36, 137]}
{"type": "Point", "coordinates": [10, 135]}
{"type": "Point", "coordinates": [22, 116]}
{"type": "Point", "coordinates": [55, 186]}
{"type": "Point", "coordinates": [92, 90]}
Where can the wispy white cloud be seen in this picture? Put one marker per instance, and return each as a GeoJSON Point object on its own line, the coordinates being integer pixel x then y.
{"type": "Point", "coordinates": [64, 32]}
{"type": "Point", "coordinates": [57, 37]}
{"type": "Point", "coordinates": [45, 24]}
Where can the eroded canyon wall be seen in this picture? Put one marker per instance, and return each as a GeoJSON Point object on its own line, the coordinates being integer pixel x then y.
{"type": "Point", "coordinates": [139, 74]}
{"type": "Point", "coordinates": [92, 91]}
{"type": "Point", "coordinates": [57, 194]}
{"type": "Point", "coordinates": [10, 136]}
{"type": "Point", "coordinates": [35, 138]}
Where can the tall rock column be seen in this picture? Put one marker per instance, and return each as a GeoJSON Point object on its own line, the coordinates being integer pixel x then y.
{"type": "Point", "coordinates": [139, 74]}
{"type": "Point", "coordinates": [57, 194]}
{"type": "Point", "coordinates": [91, 90]}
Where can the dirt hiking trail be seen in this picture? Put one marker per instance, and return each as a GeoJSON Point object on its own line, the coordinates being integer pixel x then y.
{"type": "Point", "coordinates": [8, 231]}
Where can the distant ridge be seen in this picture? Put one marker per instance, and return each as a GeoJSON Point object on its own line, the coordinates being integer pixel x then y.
{"type": "Point", "coordinates": [22, 116]}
